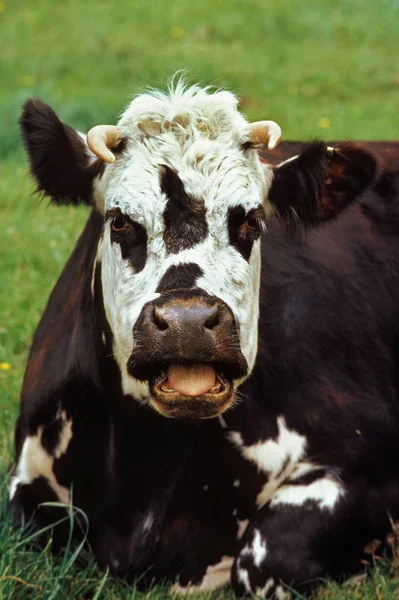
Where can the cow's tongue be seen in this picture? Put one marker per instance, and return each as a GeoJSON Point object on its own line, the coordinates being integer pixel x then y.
{"type": "Point", "coordinates": [190, 380]}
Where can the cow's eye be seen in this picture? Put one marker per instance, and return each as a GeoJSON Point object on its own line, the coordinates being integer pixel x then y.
{"type": "Point", "coordinates": [253, 223]}
{"type": "Point", "coordinates": [120, 223]}
{"type": "Point", "coordinates": [245, 228]}
{"type": "Point", "coordinates": [256, 220]}
{"type": "Point", "coordinates": [124, 231]}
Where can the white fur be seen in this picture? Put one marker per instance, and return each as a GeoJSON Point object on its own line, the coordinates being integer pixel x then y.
{"type": "Point", "coordinates": [35, 462]}
{"type": "Point", "coordinates": [283, 461]}
{"type": "Point", "coordinates": [258, 548]}
{"type": "Point", "coordinates": [271, 455]}
{"type": "Point", "coordinates": [198, 134]}
{"type": "Point", "coordinates": [243, 576]}
{"type": "Point", "coordinates": [325, 492]}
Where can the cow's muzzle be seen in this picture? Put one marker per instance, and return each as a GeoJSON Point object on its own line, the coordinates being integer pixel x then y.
{"type": "Point", "coordinates": [187, 348]}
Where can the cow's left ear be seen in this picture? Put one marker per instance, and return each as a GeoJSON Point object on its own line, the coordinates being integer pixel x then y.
{"type": "Point", "coordinates": [319, 183]}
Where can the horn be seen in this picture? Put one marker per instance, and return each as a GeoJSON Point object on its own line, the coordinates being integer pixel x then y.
{"type": "Point", "coordinates": [266, 132]}
{"type": "Point", "coordinates": [102, 137]}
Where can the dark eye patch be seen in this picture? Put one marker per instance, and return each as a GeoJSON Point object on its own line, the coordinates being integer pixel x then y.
{"type": "Point", "coordinates": [131, 237]}
{"type": "Point", "coordinates": [245, 228]}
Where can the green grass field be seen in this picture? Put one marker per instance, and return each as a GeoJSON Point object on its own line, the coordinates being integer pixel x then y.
{"type": "Point", "coordinates": [319, 68]}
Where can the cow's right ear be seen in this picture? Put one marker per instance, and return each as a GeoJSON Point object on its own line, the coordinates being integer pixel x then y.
{"type": "Point", "coordinates": [319, 183]}
{"type": "Point", "coordinates": [60, 161]}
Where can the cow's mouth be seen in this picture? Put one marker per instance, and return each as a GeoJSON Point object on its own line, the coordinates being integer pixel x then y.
{"type": "Point", "coordinates": [191, 391]}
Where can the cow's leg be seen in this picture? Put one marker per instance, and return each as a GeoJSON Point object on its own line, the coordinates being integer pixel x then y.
{"type": "Point", "coordinates": [307, 530]}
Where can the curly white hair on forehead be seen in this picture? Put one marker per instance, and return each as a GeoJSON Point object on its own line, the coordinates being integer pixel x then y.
{"type": "Point", "coordinates": [188, 110]}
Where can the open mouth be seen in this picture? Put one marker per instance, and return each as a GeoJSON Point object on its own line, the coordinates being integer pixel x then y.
{"type": "Point", "coordinates": [191, 391]}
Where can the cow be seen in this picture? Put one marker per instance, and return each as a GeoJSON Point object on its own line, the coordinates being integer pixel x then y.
{"type": "Point", "coordinates": [214, 379]}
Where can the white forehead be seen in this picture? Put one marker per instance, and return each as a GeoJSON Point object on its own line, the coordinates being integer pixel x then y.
{"type": "Point", "coordinates": [197, 133]}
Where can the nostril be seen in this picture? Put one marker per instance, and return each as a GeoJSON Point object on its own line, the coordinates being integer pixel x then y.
{"type": "Point", "coordinates": [212, 319]}
{"type": "Point", "coordinates": [159, 319]}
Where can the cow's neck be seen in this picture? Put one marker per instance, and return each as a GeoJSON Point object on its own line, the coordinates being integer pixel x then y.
{"type": "Point", "coordinates": [67, 339]}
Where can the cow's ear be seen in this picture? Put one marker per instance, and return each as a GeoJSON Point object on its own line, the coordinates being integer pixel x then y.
{"type": "Point", "coordinates": [319, 183]}
{"type": "Point", "coordinates": [60, 161]}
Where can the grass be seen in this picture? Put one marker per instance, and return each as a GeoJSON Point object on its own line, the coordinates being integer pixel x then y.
{"type": "Point", "coordinates": [319, 68]}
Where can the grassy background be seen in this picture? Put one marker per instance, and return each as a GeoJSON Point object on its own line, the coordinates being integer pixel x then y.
{"type": "Point", "coordinates": [319, 68]}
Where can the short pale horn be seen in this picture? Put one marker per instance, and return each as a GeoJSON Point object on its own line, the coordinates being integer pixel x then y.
{"type": "Point", "coordinates": [103, 137]}
{"type": "Point", "coordinates": [266, 132]}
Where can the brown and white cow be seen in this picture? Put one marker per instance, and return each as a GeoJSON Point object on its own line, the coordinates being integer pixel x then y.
{"type": "Point", "coordinates": [173, 304]}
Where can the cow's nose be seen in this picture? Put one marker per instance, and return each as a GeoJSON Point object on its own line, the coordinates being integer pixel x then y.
{"type": "Point", "coordinates": [192, 316]}
{"type": "Point", "coordinates": [192, 328]}
{"type": "Point", "coordinates": [186, 328]}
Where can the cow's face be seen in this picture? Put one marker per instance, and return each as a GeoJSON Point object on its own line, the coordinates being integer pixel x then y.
{"type": "Point", "coordinates": [183, 208]}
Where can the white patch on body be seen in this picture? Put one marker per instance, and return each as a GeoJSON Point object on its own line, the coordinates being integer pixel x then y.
{"type": "Point", "coordinates": [275, 457]}
{"type": "Point", "coordinates": [243, 577]}
{"type": "Point", "coordinates": [35, 462]}
{"type": "Point", "coordinates": [282, 460]}
{"type": "Point", "coordinates": [256, 549]}
{"type": "Point", "coordinates": [325, 492]}
{"type": "Point", "coordinates": [271, 455]}
{"type": "Point", "coordinates": [216, 576]}
{"type": "Point", "coordinates": [236, 483]}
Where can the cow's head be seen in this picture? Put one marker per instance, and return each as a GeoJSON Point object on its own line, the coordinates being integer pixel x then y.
{"type": "Point", "coordinates": [184, 196]}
